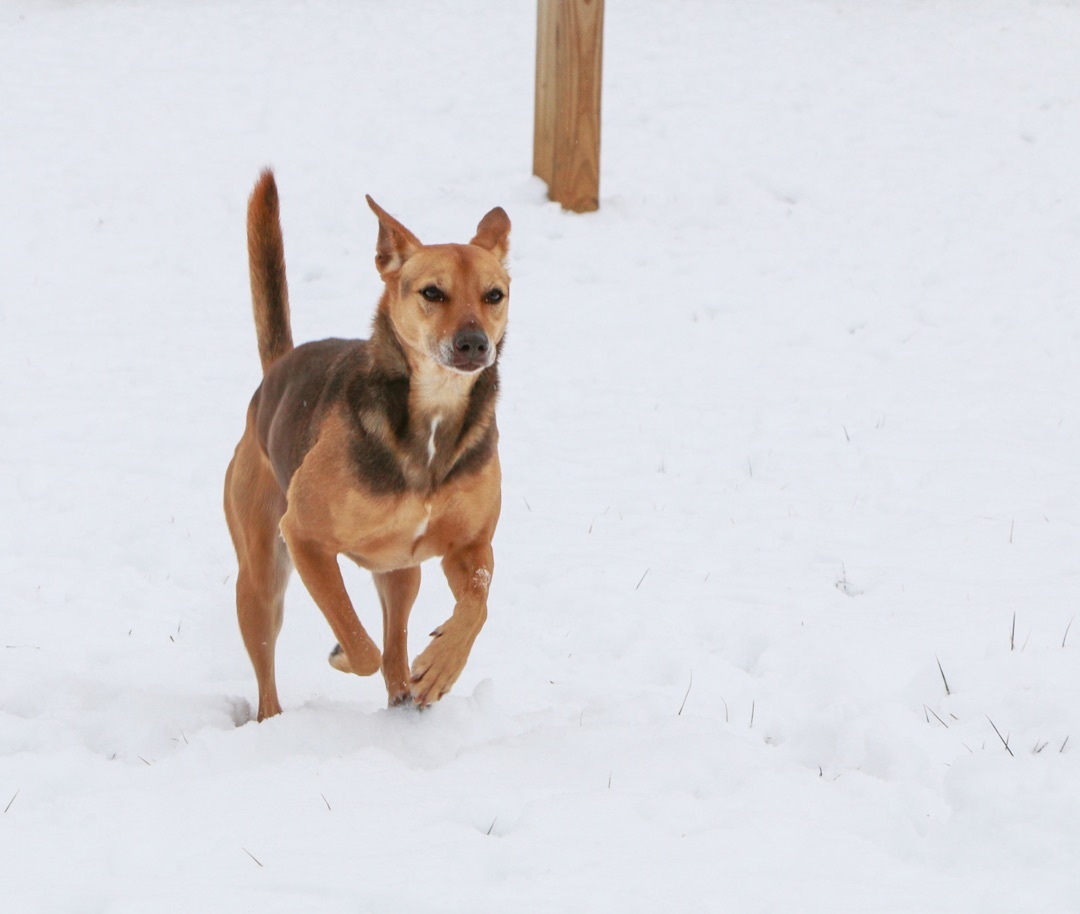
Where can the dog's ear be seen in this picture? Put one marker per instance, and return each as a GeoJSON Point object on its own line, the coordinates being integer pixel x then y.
{"type": "Point", "coordinates": [493, 233]}
{"type": "Point", "coordinates": [396, 243]}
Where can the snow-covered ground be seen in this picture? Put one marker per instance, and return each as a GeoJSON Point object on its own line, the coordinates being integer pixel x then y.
{"type": "Point", "coordinates": [790, 435]}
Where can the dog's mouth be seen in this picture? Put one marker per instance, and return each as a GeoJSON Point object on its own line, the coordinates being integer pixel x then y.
{"type": "Point", "coordinates": [468, 365]}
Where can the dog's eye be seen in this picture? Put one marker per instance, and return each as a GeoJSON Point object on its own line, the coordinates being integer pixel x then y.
{"type": "Point", "coordinates": [433, 293]}
{"type": "Point", "coordinates": [494, 296]}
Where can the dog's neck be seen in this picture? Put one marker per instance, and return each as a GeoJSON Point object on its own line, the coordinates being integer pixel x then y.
{"type": "Point", "coordinates": [446, 414]}
{"type": "Point", "coordinates": [438, 391]}
{"type": "Point", "coordinates": [434, 390]}
{"type": "Point", "coordinates": [387, 352]}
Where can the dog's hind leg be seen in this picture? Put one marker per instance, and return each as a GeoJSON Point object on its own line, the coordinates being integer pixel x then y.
{"type": "Point", "coordinates": [397, 593]}
{"type": "Point", "coordinates": [254, 505]}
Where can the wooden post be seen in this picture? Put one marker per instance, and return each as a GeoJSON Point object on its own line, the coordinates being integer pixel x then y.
{"type": "Point", "coordinates": [566, 137]}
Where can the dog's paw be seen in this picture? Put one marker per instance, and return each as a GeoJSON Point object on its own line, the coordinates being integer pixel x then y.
{"type": "Point", "coordinates": [401, 699]}
{"type": "Point", "coordinates": [338, 660]}
{"type": "Point", "coordinates": [437, 668]}
{"type": "Point", "coordinates": [367, 664]}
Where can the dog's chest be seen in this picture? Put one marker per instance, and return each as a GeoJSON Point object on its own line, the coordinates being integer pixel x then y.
{"type": "Point", "coordinates": [387, 533]}
{"type": "Point", "coordinates": [427, 456]}
{"type": "Point", "coordinates": [382, 530]}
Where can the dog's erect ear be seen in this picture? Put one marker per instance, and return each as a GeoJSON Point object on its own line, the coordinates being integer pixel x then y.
{"type": "Point", "coordinates": [493, 233]}
{"type": "Point", "coordinates": [396, 243]}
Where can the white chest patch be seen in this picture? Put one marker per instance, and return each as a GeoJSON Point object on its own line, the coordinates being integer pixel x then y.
{"type": "Point", "coordinates": [431, 439]}
{"type": "Point", "coordinates": [421, 528]}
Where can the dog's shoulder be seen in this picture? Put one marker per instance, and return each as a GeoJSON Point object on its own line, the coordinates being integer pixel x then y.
{"type": "Point", "coordinates": [294, 396]}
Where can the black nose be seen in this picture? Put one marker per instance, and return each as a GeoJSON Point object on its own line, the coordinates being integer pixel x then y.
{"type": "Point", "coordinates": [471, 345]}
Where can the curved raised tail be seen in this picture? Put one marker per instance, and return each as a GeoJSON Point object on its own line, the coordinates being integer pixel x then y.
{"type": "Point", "coordinates": [266, 261]}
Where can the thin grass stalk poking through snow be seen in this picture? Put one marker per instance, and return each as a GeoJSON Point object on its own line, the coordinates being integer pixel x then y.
{"type": "Point", "coordinates": [932, 711]}
{"type": "Point", "coordinates": [943, 679]}
{"type": "Point", "coordinates": [12, 800]}
{"type": "Point", "coordinates": [252, 856]}
{"type": "Point", "coordinates": [687, 695]}
{"type": "Point", "coordinates": [1004, 741]}
{"type": "Point", "coordinates": [642, 578]}
{"type": "Point", "coordinates": [1067, 627]}
{"type": "Point", "coordinates": [1012, 635]}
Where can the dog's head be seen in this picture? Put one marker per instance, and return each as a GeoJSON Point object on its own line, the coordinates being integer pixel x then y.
{"type": "Point", "coordinates": [447, 302]}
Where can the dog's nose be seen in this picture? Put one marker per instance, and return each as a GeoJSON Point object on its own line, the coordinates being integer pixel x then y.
{"type": "Point", "coordinates": [471, 346]}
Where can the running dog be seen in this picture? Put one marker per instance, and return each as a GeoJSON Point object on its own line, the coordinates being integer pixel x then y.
{"type": "Point", "coordinates": [382, 450]}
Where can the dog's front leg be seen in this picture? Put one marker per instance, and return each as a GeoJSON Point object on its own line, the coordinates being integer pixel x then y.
{"type": "Point", "coordinates": [468, 572]}
{"type": "Point", "coordinates": [318, 569]}
{"type": "Point", "coordinates": [397, 593]}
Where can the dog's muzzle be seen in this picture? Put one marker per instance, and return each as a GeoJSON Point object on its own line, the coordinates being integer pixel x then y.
{"type": "Point", "coordinates": [471, 350]}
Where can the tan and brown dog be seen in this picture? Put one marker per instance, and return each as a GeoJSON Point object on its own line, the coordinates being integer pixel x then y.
{"type": "Point", "coordinates": [381, 450]}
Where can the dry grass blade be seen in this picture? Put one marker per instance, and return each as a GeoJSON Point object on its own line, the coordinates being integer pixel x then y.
{"type": "Point", "coordinates": [939, 720]}
{"type": "Point", "coordinates": [642, 578]}
{"type": "Point", "coordinates": [943, 679]}
{"type": "Point", "coordinates": [687, 695]}
{"type": "Point", "coordinates": [1067, 627]}
{"type": "Point", "coordinates": [12, 800]}
{"type": "Point", "coordinates": [1004, 741]}
{"type": "Point", "coordinates": [252, 856]}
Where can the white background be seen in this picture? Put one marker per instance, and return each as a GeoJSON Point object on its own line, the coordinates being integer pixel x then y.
{"type": "Point", "coordinates": [790, 438]}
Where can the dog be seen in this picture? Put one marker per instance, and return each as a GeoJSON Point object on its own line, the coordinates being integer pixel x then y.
{"type": "Point", "coordinates": [382, 450]}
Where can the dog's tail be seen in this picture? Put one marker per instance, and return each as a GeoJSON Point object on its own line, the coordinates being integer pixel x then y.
{"type": "Point", "coordinates": [266, 260]}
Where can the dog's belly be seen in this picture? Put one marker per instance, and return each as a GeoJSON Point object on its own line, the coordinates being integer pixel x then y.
{"type": "Point", "coordinates": [386, 534]}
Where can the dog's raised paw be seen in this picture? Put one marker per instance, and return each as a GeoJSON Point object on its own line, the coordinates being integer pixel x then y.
{"type": "Point", "coordinates": [370, 664]}
{"type": "Point", "coordinates": [338, 660]}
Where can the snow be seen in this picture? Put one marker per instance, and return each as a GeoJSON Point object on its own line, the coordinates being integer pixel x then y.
{"type": "Point", "coordinates": [789, 433]}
